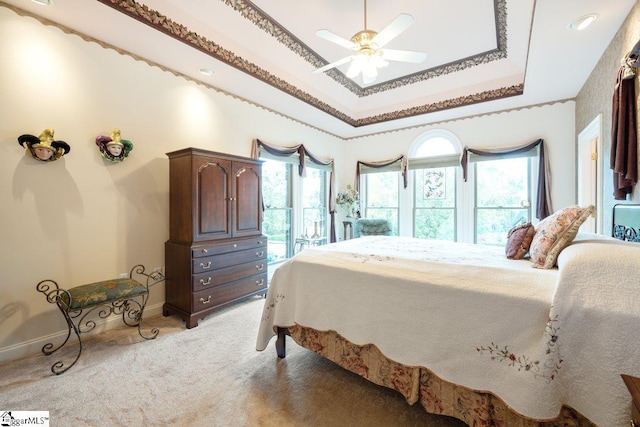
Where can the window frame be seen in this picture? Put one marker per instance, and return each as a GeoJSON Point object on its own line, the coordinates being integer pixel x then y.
{"type": "Point", "coordinates": [416, 164]}
{"type": "Point", "coordinates": [529, 176]}
{"type": "Point", "coordinates": [364, 190]}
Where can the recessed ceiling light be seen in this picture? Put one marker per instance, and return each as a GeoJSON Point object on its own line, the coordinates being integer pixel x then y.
{"type": "Point", "coordinates": [583, 22]}
{"type": "Point", "coordinates": [44, 2]}
{"type": "Point", "coordinates": [206, 71]}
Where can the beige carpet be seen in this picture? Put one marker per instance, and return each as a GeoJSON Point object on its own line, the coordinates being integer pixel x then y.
{"type": "Point", "coordinates": [210, 375]}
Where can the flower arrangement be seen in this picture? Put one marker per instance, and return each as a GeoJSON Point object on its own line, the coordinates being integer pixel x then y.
{"type": "Point", "coordinates": [349, 199]}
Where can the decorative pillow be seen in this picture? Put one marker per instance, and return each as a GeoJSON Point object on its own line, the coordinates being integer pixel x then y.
{"type": "Point", "coordinates": [554, 233]}
{"type": "Point", "coordinates": [518, 240]}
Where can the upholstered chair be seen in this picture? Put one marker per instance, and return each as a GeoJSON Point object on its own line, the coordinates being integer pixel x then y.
{"type": "Point", "coordinates": [371, 227]}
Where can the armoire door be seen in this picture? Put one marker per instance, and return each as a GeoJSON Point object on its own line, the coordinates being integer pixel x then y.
{"type": "Point", "coordinates": [247, 203]}
{"type": "Point", "coordinates": [213, 198]}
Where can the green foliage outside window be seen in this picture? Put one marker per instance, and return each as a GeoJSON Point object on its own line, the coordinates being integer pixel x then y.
{"type": "Point", "coordinates": [435, 202]}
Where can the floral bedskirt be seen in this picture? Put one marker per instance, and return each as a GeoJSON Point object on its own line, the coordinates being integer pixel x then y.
{"type": "Point", "coordinates": [418, 384]}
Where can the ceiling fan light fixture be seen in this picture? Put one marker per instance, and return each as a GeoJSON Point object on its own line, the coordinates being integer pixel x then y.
{"type": "Point", "coordinates": [583, 22]}
{"type": "Point", "coordinates": [366, 62]}
{"type": "Point", "coordinates": [368, 45]}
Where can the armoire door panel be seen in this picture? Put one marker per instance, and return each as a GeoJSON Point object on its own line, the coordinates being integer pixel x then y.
{"type": "Point", "coordinates": [213, 200]}
{"type": "Point", "coordinates": [248, 218]}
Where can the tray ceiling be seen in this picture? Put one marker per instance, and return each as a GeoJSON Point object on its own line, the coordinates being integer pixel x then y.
{"type": "Point", "coordinates": [482, 56]}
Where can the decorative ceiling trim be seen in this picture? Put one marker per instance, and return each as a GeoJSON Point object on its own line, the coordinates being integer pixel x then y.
{"type": "Point", "coordinates": [265, 22]}
{"type": "Point", "coordinates": [105, 45]}
{"type": "Point", "coordinates": [159, 22]}
{"type": "Point", "coordinates": [504, 92]}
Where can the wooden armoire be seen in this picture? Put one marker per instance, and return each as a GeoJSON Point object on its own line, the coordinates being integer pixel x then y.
{"type": "Point", "coordinates": [216, 253]}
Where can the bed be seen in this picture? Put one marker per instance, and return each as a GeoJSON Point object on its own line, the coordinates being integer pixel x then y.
{"type": "Point", "coordinates": [466, 332]}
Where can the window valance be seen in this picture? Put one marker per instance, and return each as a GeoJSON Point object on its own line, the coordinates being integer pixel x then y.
{"type": "Point", "coordinates": [397, 164]}
{"type": "Point", "coordinates": [543, 206]}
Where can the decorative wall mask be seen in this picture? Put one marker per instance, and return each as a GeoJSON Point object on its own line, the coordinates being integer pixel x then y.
{"type": "Point", "coordinates": [113, 147]}
{"type": "Point", "coordinates": [43, 147]}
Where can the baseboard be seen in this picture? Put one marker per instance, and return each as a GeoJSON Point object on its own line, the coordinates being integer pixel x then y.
{"type": "Point", "coordinates": [34, 346]}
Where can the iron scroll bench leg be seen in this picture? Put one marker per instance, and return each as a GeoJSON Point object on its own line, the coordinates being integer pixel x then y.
{"type": "Point", "coordinates": [126, 297]}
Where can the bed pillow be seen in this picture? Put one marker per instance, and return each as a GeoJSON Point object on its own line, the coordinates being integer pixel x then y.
{"type": "Point", "coordinates": [519, 240]}
{"type": "Point", "coordinates": [554, 233]}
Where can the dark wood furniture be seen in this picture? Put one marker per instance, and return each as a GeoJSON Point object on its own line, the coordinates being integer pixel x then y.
{"type": "Point", "coordinates": [216, 253]}
{"type": "Point", "coordinates": [633, 384]}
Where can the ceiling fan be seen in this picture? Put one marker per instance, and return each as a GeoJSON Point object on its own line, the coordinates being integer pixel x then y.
{"type": "Point", "coordinates": [367, 46]}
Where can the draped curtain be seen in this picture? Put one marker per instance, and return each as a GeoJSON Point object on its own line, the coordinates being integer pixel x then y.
{"type": "Point", "coordinates": [379, 165]}
{"type": "Point", "coordinates": [302, 154]}
{"type": "Point", "coordinates": [543, 208]}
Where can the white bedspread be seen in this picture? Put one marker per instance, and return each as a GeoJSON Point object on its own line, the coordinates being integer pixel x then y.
{"type": "Point", "coordinates": [468, 314]}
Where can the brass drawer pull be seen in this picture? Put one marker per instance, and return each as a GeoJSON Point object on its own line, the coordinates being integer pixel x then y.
{"type": "Point", "coordinates": [208, 282]}
{"type": "Point", "coordinates": [202, 300]}
{"type": "Point", "coordinates": [260, 254]}
{"type": "Point", "coordinates": [204, 250]}
{"type": "Point", "coordinates": [260, 282]}
{"type": "Point", "coordinates": [260, 267]}
{"type": "Point", "coordinates": [205, 266]}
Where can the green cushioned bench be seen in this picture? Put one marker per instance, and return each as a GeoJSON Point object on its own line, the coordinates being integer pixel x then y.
{"type": "Point", "coordinates": [126, 297]}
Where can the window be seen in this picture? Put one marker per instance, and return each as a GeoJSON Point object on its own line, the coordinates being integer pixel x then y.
{"type": "Point", "coordinates": [314, 203]}
{"type": "Point", "coordinates": [433, 164]}
{"type": "Point", "coordinates": [502, 198]}
{"type": "Point", "coordinates": [496, 197]}
{"type": "Point", "coordinates": [435, 203]}
{"type": "Point", "coordinates": [277, 199]}
{"type": "Point", "coordinates": [294, 206]}
{"type": "Point", "coordinates": [382, 192]}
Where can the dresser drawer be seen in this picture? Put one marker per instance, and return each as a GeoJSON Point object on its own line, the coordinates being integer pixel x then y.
{"type": "Point", "coordinates": [210, 263]}
{"type": "Point", "coordinates": [225, 247]}
{"type": "Point", "coordinates": [228, 292]}
{"type": "Point", "coordinates": [228, 274]}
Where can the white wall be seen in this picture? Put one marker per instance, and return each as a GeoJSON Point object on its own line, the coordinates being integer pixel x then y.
{"type": "Point", "coordinates": [82, 219]}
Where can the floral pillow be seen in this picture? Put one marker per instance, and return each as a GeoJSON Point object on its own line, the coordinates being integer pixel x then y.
{"type": "Point", "coordinates": [556, 232]}
{"type": "Point", "coordinates": [519, 240]}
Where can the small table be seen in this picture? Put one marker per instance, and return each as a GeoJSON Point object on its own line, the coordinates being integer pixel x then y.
{"type": "Point", "coordinates": [301, 242]}
{"type": "Point", "coordinates": [348, 226]}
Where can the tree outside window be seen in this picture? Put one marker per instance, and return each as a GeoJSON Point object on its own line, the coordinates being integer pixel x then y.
{"type": "Point", "coordinates": [276, 195]}
{"type": "Point", "coordinates": [383, 190]}
{"type": "Point", "coordinates": [502, 198]}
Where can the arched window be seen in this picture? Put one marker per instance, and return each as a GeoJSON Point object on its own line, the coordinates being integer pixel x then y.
{"type": "Point", "coordinates": [433, 160]}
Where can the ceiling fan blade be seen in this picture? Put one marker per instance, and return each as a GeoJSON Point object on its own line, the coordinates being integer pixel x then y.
{"type": "Point", "coordinates": [332, 65]}
{"type": "Point", "coordinates": [391, 31]}
{"type": "Point", "coordinates": [332, 37]}
{"type": "Point", "coordinates": [403, 55]}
